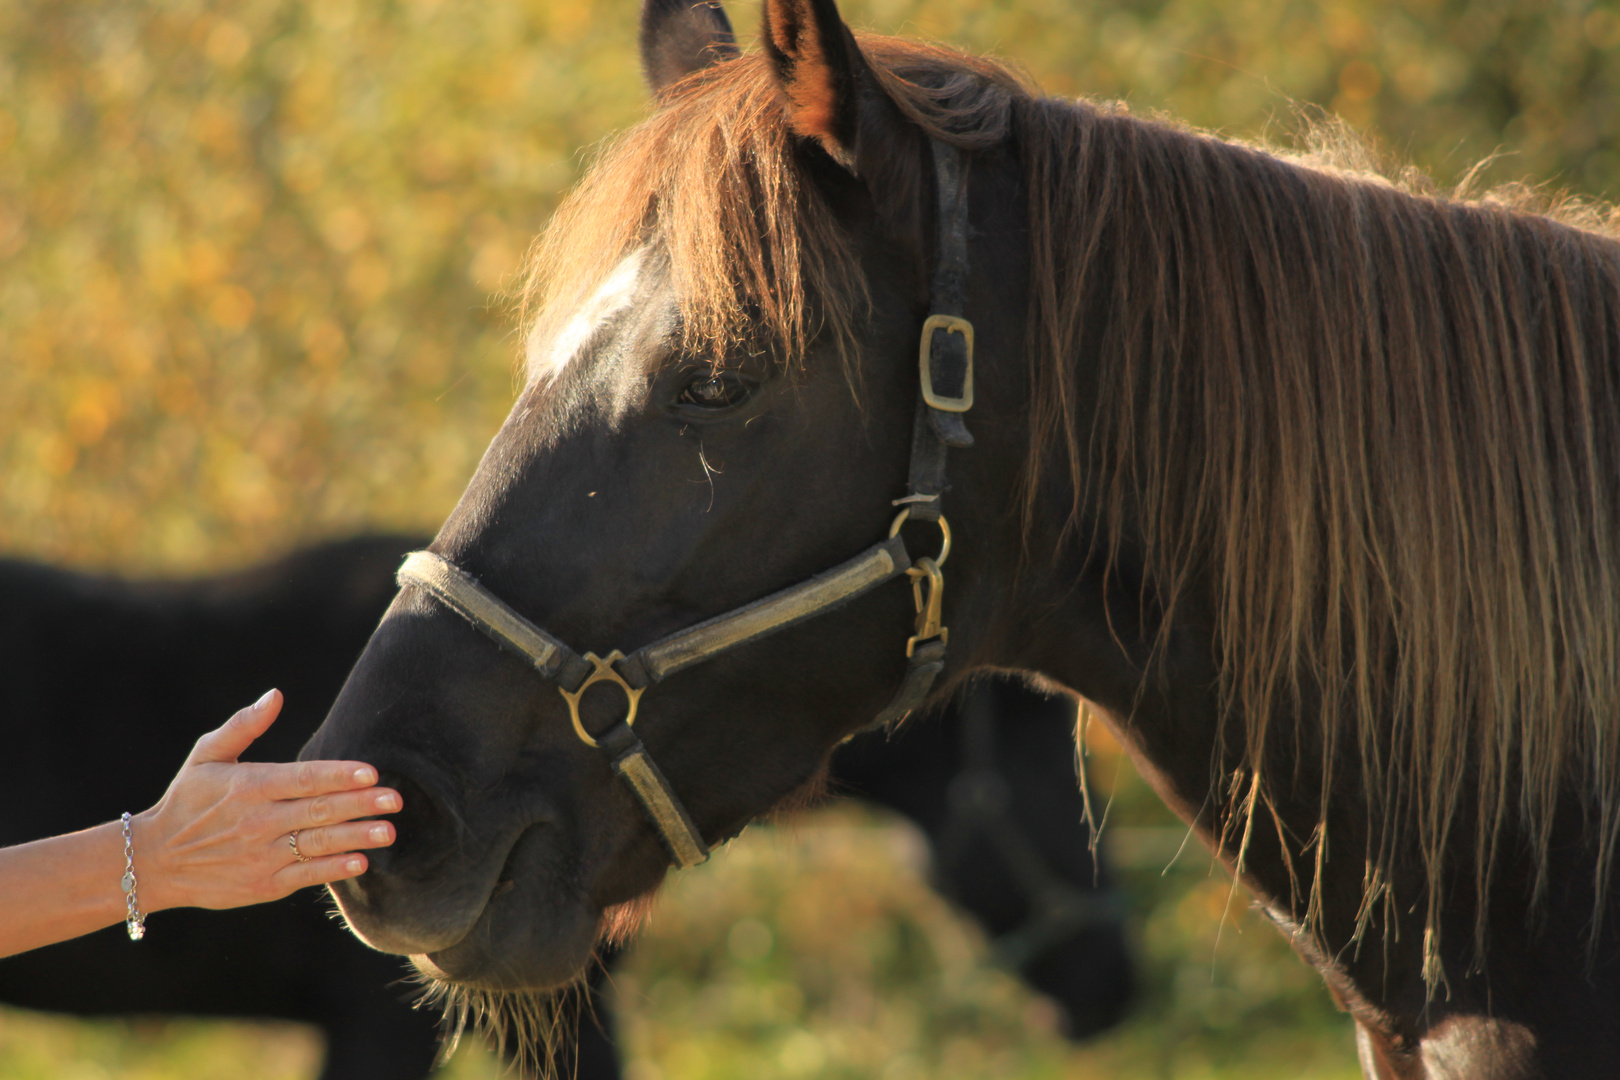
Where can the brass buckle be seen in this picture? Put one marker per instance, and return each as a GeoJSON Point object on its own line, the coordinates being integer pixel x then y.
{"type": "Point", "coordinates": [944, 531]}
{"type": "Point", "coordinates": [955, 325]}
{"type": "Point", "coordinates": [604, 673]}
{"type": "Point", "coordinates": [928, 611]}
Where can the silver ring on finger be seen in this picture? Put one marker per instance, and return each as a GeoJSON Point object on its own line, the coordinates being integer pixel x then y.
{"type": "Point", "coordinates": [292, 842]}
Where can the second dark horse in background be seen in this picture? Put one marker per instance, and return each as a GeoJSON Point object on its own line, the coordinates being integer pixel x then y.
{"type": "Point", "coordinates": [105, 684]}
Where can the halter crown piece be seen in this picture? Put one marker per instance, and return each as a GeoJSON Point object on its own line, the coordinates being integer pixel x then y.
{"type": "Point", "coordinates": [945, 373]}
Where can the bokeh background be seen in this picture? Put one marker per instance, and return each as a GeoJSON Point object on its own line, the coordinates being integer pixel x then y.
{"type": "Point", "coordinates": [251, 263]}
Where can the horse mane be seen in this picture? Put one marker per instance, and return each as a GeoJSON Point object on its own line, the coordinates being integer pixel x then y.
{"type": "Point", "coordinates": [1422, 592]}
{"type": "Point", "coordinates": [1425, 583]}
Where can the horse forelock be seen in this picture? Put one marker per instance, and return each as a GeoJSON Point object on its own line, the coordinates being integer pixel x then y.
{"type": "Point", "coordinates": [719, 182]}
{"type": "Point", "coordinates": [1421, 592]}
{"type": "Point", "coordinates": [713, 181]}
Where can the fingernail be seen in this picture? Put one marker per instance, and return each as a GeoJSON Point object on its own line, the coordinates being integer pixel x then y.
{"type": "Point", "coordinates": [365, 776]}
{"type": "Point", "coordinates": [379, 833]}
{"type": "Point", "coordinates": [389, 801]}
{"type": "Point", "coordinates": [354, 866]}
{"type": "Point", "coordinates": [265, 700]}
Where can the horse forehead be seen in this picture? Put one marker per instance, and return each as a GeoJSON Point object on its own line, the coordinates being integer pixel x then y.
{"type": "Point", "coordinates": [548, 355]}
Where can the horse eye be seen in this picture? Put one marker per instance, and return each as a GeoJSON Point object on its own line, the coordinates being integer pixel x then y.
{"type": "Point", "coordinates": [714, 392]}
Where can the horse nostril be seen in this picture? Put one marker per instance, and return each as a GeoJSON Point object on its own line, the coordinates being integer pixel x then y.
{"type": "Point", "coordinates": [418, 826]}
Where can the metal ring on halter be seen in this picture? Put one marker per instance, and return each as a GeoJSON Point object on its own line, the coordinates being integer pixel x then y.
{"type": "Point", "coordinates": [944, 547]}
{"type": "Point", "coordinates": [292, 842]}
{"type": "Point", "coordinates": [604, 673]}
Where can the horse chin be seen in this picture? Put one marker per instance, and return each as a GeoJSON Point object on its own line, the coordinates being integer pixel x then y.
{"type": "Point", "coordinates": [512, 947]}
{"type": "Point", "coordinates": [505, 922]}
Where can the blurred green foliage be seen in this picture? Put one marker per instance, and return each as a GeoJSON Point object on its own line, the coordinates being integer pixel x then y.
{"type": "Point", "coordinates": [249, 258]}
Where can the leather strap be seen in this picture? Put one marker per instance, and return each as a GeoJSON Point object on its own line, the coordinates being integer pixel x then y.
{"type": "Point", "coordinates": [460, 592]}
{"type": "Point", "coordinates": [933, 430]}
{"type": "Point", "coordinates": [630, 760]}
{"type": "Point", "coordinates": [923, 667]}
{"type": "Point", "coordinates": [833, 588]}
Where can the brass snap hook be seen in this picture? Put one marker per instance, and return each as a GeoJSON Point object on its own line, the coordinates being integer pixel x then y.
{"type": "Point", "coordinates": [928, 610]}
{"type": "Point", "coordinates": [944, 530]}
{"type": "Point", "coordinates": [604, 673]}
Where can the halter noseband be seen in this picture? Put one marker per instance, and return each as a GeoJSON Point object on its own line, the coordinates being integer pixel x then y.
{"type": "Point", "coordinates": [945, 365]}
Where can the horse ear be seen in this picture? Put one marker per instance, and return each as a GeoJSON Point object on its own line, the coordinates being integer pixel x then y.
{"type": "Point", "coordinates": [679, 37]}
{"type": "Point", "coordinates": [820, 67]}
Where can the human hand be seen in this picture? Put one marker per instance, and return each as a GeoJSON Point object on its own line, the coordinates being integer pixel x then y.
{"type": "Point", "coordinates": [218, 837]}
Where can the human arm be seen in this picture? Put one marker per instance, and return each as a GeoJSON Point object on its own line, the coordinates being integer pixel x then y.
{"type": "Point", "coordinates": [217, 839]}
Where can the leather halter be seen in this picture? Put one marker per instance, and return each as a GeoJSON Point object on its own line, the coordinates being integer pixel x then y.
{"type": "Point", "coordinates": [945, 364]}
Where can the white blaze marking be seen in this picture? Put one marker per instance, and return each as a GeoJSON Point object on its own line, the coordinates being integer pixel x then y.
{"type": "Point", "coordinates": [548, 358]}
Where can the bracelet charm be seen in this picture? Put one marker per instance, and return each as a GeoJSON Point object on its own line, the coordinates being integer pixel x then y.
{"type": "Point", "coordinates": [135, 922]}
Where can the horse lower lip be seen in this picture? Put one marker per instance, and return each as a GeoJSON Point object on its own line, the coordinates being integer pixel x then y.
{"type": "Point", "coordinates": [423, 962]}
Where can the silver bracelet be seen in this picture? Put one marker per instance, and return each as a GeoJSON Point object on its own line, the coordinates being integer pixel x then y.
{"type": "Point", "coordinates": [135, 921]}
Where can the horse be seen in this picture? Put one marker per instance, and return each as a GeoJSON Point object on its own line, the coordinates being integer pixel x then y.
{"type": "Point", "coordinates": [111, 680]}
{"type": "Point", "coordinates": [1303, 476]}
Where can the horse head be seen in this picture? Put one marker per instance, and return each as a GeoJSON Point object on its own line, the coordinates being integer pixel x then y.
{"type": "Point", "coordinates": [721, 404]}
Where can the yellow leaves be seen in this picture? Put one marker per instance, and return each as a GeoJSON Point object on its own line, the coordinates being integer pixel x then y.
{"type": "Point", "coordinates": [495, 252]}
{"type": "Point", "coordinates": [325, 343]}
{"type": "Point", "coordinates": [96, 405]}
{"type": "Point", "coordinates": [1345, 29]}
{"type": "Point", "coordinates": [1602, 28]}
{"type": "Point", "coordinates": [241, 485]}
{"type": "Point", "coordinates": [231, 308]}
{"type": "Point", "coordinates": [240, 206]}
{"type": "Point", "coordinates": [177, 396]}
{"type": "Point", "coordinates": [493, 261]}
{"type": "Point", "coordinates": [227, 43]}
{"type": "Point", "coordinates": [203, 264]}
{"type": "Point", "coordinates": [345, 229]}
{"type": "Point", "coordinates": [13, 230]}
{"type": "Point", "coordinates": [1359, 81]}
{"type": "Point", "coordinates": [367, 278]}
{"type": "Point", "coordinates": [308, 100]}
{"type": "Point", "coordinates": [568, 22]}
{"type": "Point", "coordinates": [214, 125]}
{"type": "Point", "coordinates": [303, 171]}
{"type": "Point", "coordinates": [436, 160]}
{"type": "Point", "coordinates": [57, 455]}
{"type": "Point", "coordinates": [310, 203]}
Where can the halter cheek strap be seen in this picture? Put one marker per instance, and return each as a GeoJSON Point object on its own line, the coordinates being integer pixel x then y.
{"type": "Point", "coordinates": [945, 392]}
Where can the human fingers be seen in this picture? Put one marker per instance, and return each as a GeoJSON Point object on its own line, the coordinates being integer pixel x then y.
{"type": "Point", "coordinates": [320, 841]}
{"type": "Point", "coordinates": [307, 779]}
{"type": "Point", "coordinates": [334, 808]}
{"type": "Point", "coordinates": [227, 743]}
{"type": "Point", "coordinates": [300, 875]}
